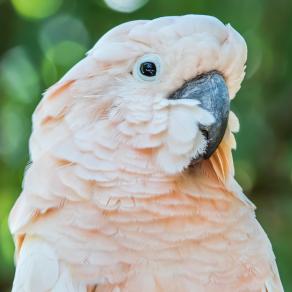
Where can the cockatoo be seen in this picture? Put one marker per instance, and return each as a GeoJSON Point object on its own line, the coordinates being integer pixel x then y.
{"type": "Point", "coordinates": [131, 186]}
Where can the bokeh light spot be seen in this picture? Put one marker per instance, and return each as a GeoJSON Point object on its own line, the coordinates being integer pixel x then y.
{"type": "Point", "coordinates": [36, 9]}
{"type": "Point", "coordinates": [125, 6]}
{"type": "Point", "coordinates": [18, 76]}
{"type": "Point", "coordinates": [65, 55]}
{"type": "Point", "coordinates": [61, 28]}
{"type": "Point", "coordinates": [64, 41]}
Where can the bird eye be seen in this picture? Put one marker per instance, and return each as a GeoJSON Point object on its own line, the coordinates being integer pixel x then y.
{"type": "Point", "coordinates": [147, 68]}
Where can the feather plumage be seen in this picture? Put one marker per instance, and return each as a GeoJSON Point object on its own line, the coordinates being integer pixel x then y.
{"type": "Point", "coordinates": [109, 202]}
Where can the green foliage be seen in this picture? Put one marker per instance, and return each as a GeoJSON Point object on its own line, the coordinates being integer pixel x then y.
{"type": "Point", "coordinates": [41, 40]}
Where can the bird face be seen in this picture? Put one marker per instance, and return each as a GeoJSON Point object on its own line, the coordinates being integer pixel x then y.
{"type": "Point", "coordinates": [172, 79]}
{"type": "Point", "coordinates": [181, 121]}
{"type": "Point", "coordinates": [161, 89]}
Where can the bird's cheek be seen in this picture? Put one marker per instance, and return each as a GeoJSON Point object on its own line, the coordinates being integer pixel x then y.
{"type": "Point", "coordinates": [183, 140]}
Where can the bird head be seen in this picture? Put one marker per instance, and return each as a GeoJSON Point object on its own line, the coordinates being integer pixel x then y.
{"type": "Point", "coordinates": [159, 88]}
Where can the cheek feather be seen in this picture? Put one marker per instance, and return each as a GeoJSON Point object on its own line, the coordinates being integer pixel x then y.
{"type": "Point", "coordinates": [183, 140]}
{"type": "Point", "coordinates": [168, 127]}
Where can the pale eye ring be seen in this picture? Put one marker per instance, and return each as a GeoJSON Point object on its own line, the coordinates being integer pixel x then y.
{"type": "Point", "coordinates": [148, 68]}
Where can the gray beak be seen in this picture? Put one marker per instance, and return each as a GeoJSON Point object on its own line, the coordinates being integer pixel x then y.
{"type": "Point", "coordinates": [210, 89]}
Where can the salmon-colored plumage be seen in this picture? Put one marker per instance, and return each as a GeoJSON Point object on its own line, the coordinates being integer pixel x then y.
{"type": "Point", "coordinates": [109, 202]}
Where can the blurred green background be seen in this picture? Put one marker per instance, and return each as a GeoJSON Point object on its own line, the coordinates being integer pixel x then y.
{"type": "Point", "coordinates": [41, 39]}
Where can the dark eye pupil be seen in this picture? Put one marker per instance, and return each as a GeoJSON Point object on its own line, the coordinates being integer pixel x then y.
{"type": "Point", "coordinates": [148, 69]}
